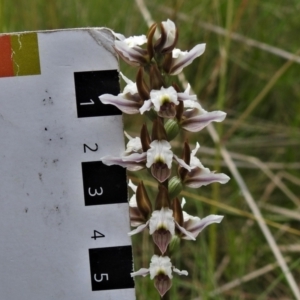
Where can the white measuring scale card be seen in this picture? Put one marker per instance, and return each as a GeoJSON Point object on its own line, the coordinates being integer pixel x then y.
{"type": "Point", "coordinates": [63, 214]}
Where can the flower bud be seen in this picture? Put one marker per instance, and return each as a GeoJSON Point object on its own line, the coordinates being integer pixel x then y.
{"type": "Point", "coordinates": [174, 244]}
{"type": "Point", "coordinates": [158, 130]}
{"type": "Point", "coordinates": [156, 79]}
{"type": "Point", "coordinates": [180, 106]}
{"type": "Point", "coordinates": [186, 157]}
{"type": "Point", "coordinates": [167, 62]}
{"type": "Point", "coordinates": [142, 87]}
{"type": "Point", "coordinates": [150, 35]}
{"type": "Point", "coordinates": [174, 187]}
{"type": "Point", "coordinates": [162, 199]}
{"type": "Point", "coordinates": [142, 200]}
{"type": "Point", "coordinates": [168, 39]}
{"type": "Point", "coordinates": [172, 129]}
{"type": "Point", "coordinates": [177, 211]}
{"type": "Point", "coordinates": [145, 138]}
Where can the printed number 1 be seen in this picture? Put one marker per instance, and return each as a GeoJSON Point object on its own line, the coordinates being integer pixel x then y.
{"type": "Point", "coordinates": [97, 235]}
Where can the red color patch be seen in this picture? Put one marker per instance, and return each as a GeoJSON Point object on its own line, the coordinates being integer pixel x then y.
{"type": "Point", "coordinates": [6, 63]}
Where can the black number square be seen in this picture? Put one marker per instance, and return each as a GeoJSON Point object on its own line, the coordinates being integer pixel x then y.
{"type": "Point", "coordinates": [89, 86]}
{"type": "Point", "coordinates": [111, 268]}
{"type": "Point", "coordinates": [103, 184]}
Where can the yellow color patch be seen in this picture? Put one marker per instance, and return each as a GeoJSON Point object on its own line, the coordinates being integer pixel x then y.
{"type": "Point", "coordinates": [25, 54]}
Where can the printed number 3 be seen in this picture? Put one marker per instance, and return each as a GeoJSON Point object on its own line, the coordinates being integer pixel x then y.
{"type": "Point", "coordinates": [96, 192]}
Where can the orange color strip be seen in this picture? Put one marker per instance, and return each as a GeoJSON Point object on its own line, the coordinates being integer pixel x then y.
{"type": "Point", "coordinates": [6, 63]}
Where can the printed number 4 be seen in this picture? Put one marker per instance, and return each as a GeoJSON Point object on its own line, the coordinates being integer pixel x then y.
{"type": "Point", "coordinates": [97, 235]}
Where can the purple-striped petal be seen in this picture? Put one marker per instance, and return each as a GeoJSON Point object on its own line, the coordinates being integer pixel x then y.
{"type": "Point", "coordinates": [133, 162]}
{"type": "Point", "coordinates": [195, 225]}
{"type": "Point", "coordinates": [184, 59]}
{"type": "Point", "coordinates": [199, 177]}
{"type": "Point", "coordinates": [141, 272]}
{"type": "Point", "coordinates": [138, 229]}
{"type": "Point", "coordinates": [200, 121]}
{"type": "Point", "coordinates": [187, 234]}
{"type": "Point", "coordinates": [125, 105]}
{"type": "Point", "coordinates": [134, 56]}
{"type": "Point", "coordinates": [181, 162]}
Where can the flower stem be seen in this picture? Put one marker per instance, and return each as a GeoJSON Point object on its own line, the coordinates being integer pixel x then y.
{"type": "Point", "coordinates": [166, 296]}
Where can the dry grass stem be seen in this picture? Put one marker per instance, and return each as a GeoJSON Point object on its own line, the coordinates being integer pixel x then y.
{"type": "Point", "coordinates": [235, 36]}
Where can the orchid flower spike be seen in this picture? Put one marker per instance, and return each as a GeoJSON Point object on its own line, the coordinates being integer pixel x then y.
{"type": "Point", "coordinates": [160, 270]}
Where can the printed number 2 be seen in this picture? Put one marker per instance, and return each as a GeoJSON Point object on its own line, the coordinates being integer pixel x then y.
{"type": "Point", "coordinates": [101, 278]}
{"type": "Point", "coordinates": [86, 146]}
{"type": "Point", "coordinates": [97, 235]}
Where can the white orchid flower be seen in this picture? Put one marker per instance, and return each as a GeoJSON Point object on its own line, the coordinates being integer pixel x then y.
{"type": "Point", "coordinates": [181, 59]}
{"type": "Point", "coordinates": [159, 158]}
{"type": "Point", "coordinates": [161, 226]}
{"type": "Point", "coordinates": [185, 96]}
{"type": "Point", "coordinates": [199, 175]}
{"type": "Point", "coordinates": [170, 29]}
{"type": "Point", "coordinates": [129, 50]}
{"type": "Point", "coordinates": [133, 145]}
{"type": "Point", "coordinates": [129, 101]}
{"type": "Point", "coordinates": [192, 226]}
{"type": "Point", "coordinates": [134, 159]}
{"type": "Point", "coordinates": [132, 40]}
{"type": "Point", "coordinates": [132, 201]}
{"type": "Point", "coordinates": [195, 118]}
{"type": "Point", "coordinates": [160, 270]}
{"type": "Point", "coordinates": [136, 218]}
{"type": "Point", "coordinates": [163, 100]}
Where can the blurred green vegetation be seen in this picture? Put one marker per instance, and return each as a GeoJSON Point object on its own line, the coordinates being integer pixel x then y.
{"type": "Point", "coordinates": [231, 75]}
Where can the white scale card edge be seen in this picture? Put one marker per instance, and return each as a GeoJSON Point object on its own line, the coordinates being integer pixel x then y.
{"type": "Point", "coordinates": [46, 227]}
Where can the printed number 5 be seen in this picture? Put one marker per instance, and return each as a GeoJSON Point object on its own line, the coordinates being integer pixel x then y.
{"type": "Point", "coordinates": [101, 278]}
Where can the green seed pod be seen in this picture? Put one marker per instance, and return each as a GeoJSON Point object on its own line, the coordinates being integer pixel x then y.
{"type": "Point", "coordinates": [172, 129]}
{"type": "Point", "coordinates": [174, 187]}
